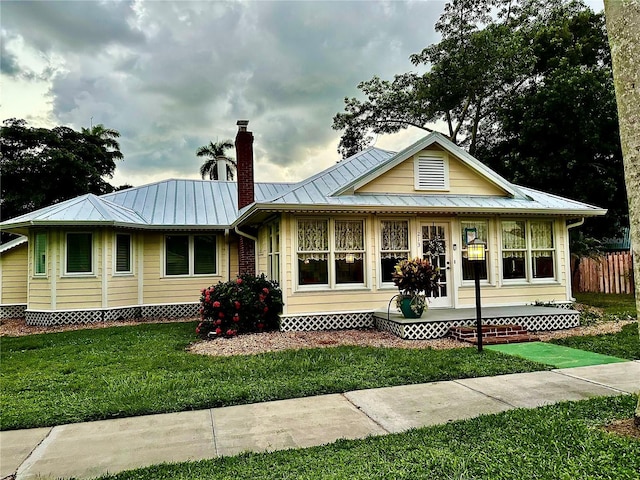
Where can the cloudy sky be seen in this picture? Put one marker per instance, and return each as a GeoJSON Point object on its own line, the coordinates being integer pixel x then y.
{"type": "Point", "coordinates": [171, 76]}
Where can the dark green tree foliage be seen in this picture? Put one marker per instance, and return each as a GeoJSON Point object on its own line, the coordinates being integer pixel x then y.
{"type": "Point", "coordinates": [525, 85]}
{"type": "Point", "coordinates": [41, 166]}
{"type": "Point", "coordinates": [560, 132]}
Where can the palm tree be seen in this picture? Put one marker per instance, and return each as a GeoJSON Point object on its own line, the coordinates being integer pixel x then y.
{"type": "Point", "coordinates": [106, 138]}
{"type": "Point", "coordinates": [212, 153]}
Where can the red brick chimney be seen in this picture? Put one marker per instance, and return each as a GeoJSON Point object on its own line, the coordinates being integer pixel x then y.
{"type": "Point", "coordinates": [244, 158]}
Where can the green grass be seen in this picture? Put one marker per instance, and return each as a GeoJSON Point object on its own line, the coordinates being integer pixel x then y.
{"type": "Point", "coordinates": [562, 441]}
{"type": "Point", "coordinates": [613, 304]}
{"type": "Point", "coordinates": [625, 344]}
{"type": "Point", "coordinates": [82, 375]}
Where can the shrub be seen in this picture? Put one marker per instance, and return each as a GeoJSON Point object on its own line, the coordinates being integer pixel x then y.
{"type": "Point", "coordinates": [247, 304]}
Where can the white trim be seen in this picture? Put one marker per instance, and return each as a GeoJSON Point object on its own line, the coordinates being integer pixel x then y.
{"type": "Point", "coordinates": [55, 258]}
{"type": "Point", "coordinates": [340, 312]}
{"type": "Point", "coordinates": [140, 272]}
{"type": "Point", "coordinates": [32, 251]}
{"type": "Point", "coordinates": [378, 254]}
{"type": "Point", "coordinates": [105, 285]}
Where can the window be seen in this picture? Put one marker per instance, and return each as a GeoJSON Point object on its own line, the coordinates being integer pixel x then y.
{"type": "Point", "coordinates": [330, 252]}
{"type": "Point", "coordinates": [79, 253]}
{"type": "Point", "coordinates": [481, 228]}
{"type": "Point", "coordinates": [190, 255]}
{"type": "Point", "coordinates": [40, 254]}
{"type": "Point", "coordinates": [313, 252]}
{"type": "Point", "coordinates": [431, 172]}
{"type": "Point", "coordinates": [123, 253]}
{"type": "Point", "coordinates": [527, 250]}
{"type": "Point", "coordinates": [349, 251]}
{"type": "Point", "coordinates": [273, 251]}
{"type": "Point", "coordinates": [542, 251]}
{"type": "Point", "coordinates": [394, 246]}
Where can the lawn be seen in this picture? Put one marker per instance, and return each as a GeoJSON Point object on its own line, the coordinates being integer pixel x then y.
{"type": "Point", "coordinates": [83, 375]}
{"type": "Point", "coordinates": [625, 344]}
{"type": "Point", "coordinates": [561, 441]}
{"type": "Point", "coordinates": [612, 304]}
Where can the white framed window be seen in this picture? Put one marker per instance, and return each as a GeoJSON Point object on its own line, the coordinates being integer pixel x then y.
{"type": "Point", "coordinates": [431, 171]}
{"type": "Point", "coordinates": [40, 254]}
{"type": "Point", "coordinates": [190, 255]}
{"type": "Point", "coordinates": [331, 252]}
{"type": "Point", "coordinates": [394, 247]}
{"type": "Point", "coordinates": [480, 228]}
{"type": "Point", "coordinates": [528, 250]}
{"type": "Point", "coordinates": [79, 253]}
{"type": "Point", "coordinates": [122, 257]}
{"type": "Point", "coordinates": [273, 251]}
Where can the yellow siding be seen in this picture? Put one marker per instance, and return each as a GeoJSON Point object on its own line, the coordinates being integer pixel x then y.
{"type": "Point", "coordinates": [80, 291]}
{"type": "Point", "coordinates": [14, 267]}
{"type": "Point", "coordinates": [122, 289]}
{"type": "Point", "coordinates": [512, 294]}
{"type": "Point", "coordinates": [234, 266]}
{"type": "Point", "coordinates": [39, 288]}
{"type": "Point", "coordinates": [462, 180]}
{"type": "Point", "coordinates": [262, 250]}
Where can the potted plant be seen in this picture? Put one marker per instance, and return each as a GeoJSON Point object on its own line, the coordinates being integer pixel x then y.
{"type": "Point", "coordinates": [416, 279]}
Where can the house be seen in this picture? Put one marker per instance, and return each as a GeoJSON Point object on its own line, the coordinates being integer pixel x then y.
{"type": "Point", "coordinates": [331, 240]}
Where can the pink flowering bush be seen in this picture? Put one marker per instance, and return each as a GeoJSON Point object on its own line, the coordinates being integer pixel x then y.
{"type": "Point", "coordinates": [245, 305]}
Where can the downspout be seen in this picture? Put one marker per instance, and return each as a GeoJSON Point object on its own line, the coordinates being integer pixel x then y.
{"type": "Point", "coordinates": [255, 240]}
{"type": "Point", "coordinates": [568, 267]}
{"type": "Point", "coordinates": [227, 241]}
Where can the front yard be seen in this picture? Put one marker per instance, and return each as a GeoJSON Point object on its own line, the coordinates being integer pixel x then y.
{"type": "Point", "coordinates": [57, 378]}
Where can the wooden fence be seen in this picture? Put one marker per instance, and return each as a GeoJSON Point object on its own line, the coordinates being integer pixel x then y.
{"type": "Point", "coordinates": [609, 273]}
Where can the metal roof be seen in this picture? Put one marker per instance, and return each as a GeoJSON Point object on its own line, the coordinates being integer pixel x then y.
{"type": "Point", "coordinates": [13, 243]}
{"type": "Point", "coordinates": [206, 204]}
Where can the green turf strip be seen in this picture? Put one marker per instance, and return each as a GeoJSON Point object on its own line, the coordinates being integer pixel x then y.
{"type": "Point", "coordinates": [555, 355]}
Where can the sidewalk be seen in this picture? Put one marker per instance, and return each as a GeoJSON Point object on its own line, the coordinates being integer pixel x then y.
{"type": "Point", "coordinates": [86, 450]}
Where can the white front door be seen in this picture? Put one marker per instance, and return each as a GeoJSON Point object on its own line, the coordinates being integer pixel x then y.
{"type": "Point", "coordinates": [435, 245]}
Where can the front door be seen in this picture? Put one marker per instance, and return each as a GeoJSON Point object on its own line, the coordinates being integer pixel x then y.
{"type": "Point", "coordinates": [434, 239]}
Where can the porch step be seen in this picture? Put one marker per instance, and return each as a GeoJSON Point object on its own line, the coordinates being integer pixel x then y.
{"type": "Point", "coordinates": [493, 334]}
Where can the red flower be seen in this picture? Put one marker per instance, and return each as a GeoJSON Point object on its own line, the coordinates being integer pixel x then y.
{"type": "Point", "coordinates": [230, 332]}
{"type": "Point", "coordinates": [236, 318]}
{"type": "Point", "coordinates": [221, 315]}
{"type": "Point", "coordinates": [260, 326]}
{"type": "Point", "coordinates": [198, 330]}
{"type": "Point", "coordinates": [266, 309]}
{"type": "Point", "coordinates": [216, 304]}
{"type": "Point", "coordinates": [237, 304]}
{"type": "Point", "coordinates": [218, 331]}
{"type": "Point", "coordinates": [265, 290]}
{"type": "Point", "coordinates": [239, 281]}
{"type": "Point", "coordinates": [218, 322]}
{"type": "Point", "coordinates": [203, 290]}
{"type": "Point", "coordinates": [262, 297]}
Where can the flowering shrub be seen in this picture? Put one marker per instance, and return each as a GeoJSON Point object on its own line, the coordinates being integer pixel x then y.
{"type": "Point", "coordinates": [247, 304]}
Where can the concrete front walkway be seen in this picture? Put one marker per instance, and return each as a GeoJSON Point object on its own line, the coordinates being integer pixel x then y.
{"type": "Point", "coordinates": [86, 450]}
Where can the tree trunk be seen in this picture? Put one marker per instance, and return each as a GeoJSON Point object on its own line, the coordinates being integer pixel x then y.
{"type": "Point", "coordinates": [623, 28]}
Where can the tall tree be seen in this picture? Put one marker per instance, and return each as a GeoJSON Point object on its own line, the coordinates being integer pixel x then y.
{"type": "Point", "coordinates": [212, 152]}
{"type": "Point", "coordinates": [525, 85]}
{"type": "Point", "coordinates": [43, 166]}
{"type": "Point", "coordinates": [563, 123]}
{"type": "Point", "coordinates": [623, 25]}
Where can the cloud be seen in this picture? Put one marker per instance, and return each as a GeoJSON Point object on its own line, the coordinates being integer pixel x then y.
{"type": "Point", "coordinates": [171, 76]}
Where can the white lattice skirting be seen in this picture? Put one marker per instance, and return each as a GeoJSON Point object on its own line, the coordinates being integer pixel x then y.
{"type": "Point", "coordinates": [12, 311]}
{"type": "Point", "coordinates": [327, 321]}
{"type": "Point", "coordinates": [80, 317]}
{"type": "Point", "coordinates": [436, 329]}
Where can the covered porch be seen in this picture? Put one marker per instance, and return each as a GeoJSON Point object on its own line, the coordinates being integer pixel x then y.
{"type": "Point", "coordinates": [436, 322]}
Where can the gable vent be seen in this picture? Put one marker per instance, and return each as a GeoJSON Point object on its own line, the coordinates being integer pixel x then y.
{"type": "Point", "coordinates": [431, 173]}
